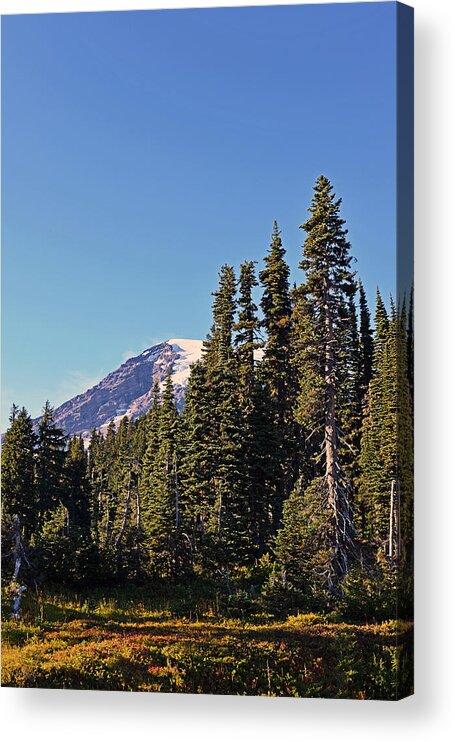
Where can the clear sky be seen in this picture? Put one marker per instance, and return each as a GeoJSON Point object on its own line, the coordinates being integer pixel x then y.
{"type": "Point", "coordinates": [141, 150]}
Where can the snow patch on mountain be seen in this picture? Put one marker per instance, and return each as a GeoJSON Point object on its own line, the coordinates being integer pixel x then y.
{"type": "Point", "coordinates": [187, 352]}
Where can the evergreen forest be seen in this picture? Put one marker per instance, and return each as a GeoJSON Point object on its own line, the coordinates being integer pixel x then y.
{"type": "Point", "coordinates": [280, 496]}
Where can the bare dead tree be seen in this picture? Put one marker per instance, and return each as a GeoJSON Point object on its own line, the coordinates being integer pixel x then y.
{"type": "Point", "coordinates": [19, 555]}
{"type": "Point", "coordinates": [338, 489]}
{"type": "Point", "coordinates": [394, 540]}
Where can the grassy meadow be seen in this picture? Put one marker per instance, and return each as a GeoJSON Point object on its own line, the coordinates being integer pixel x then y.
{"type": "Point", "coordinates": [141, 640]}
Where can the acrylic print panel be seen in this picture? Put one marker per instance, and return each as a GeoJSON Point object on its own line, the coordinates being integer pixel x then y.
{"type": "Point", "coordinates": [207, 260]}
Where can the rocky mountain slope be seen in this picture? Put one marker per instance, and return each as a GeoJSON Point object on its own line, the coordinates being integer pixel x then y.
{"type": "Point", "coordinates": [128, 390]}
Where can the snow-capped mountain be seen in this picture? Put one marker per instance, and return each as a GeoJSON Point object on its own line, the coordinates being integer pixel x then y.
{"type": "Point", "coordinates": [128, 390]}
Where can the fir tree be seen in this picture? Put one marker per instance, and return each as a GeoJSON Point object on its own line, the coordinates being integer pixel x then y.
{"type": "Point", "coordinates": [405, 437]}
{"type": "Point", "coordinates": [198, 463]}
{"type": "Point", "coordinates": [50, 461]}
{"type": "Point", "coordinates": [261, 444]}
{"type": "Point", "coordinates": [77, 486]}
{"type": "Point", "coordinates": [303, 545]}
{"type": "Point", "coordinates": [67, 551]}
{"type": "Point", "coordinates": [276, 307]}
{"type": "Point", "coordinates": [365, 343]}
{"type": "Point", "coordinates": [218, 346]}
{"type": "Point", "coordinates": [231, 515]}
{"type": "Point", "coordinates": [386, 450]}
{"type": "Point", "coordinates": [144, 515]}
{"type": "Point", "coordinates": [124, 541]}
{"type": "Point", "coordinates": [247, 338]}
{"type": "Point", "coordinates": [160, 483]}
{"type": "Point", "coordinates": [229, 508]}
{"type": "Point", "coordinates": [96, 474]}
{"type": "Point", "coordinates": [251, 402]}
{"type": "Point", "coordinates": [307, 361]}
{"type": "Point", "coordinates": [108, 501]}
{"type": "Point", "coordinates": [349, 393]}
{"type": "Point", "coordinates": [410, 346]}
{"type": "Point", "coordinates": [327, 327]}
{"type": "Point", "coordinates": [374, 478]}
{"type": "Point", "coordinates": [19, 494]}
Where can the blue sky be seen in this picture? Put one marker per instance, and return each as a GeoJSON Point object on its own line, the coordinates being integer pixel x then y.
{"type": "Point", "coordinates": [141, 150]}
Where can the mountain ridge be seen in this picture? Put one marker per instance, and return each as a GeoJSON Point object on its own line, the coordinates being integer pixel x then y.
{"type": "Point", "coordinates": [128, 389]}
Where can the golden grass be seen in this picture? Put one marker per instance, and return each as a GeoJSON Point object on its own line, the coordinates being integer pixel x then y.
{"type": "Point", "coordinates": [72, 645]}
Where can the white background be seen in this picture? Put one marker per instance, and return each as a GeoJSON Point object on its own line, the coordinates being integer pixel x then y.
{"type": "Point", "coordinates": [78, 715]}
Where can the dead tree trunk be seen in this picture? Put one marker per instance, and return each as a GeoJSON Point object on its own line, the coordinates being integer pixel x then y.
{"type": "Point", "coordinates": [18, 553]}
{"type": "Point", "coordinates": [343, 532]}
{"type": "Point", "coordinates": [394, 540]}
{"type": "Point", "coordinates": [220, 503]}
{"type": "Point", "coordinates": [330, 430]}
{"type": "Point", "coordinates": [108, 521]}
{"type": "Point", "coordinates": [176, 486]}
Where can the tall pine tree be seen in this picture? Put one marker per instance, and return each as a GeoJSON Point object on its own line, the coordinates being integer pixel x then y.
{"type": "Point", "coordinates": [50, 461]}
{"type": "Point", "coordinates": [19, 493]}
{"type": "Point", "coordinates": [327, 327]}
{"type": "Point", "coordinates": [365, 343]}
{"type": "Point", "coordinates": [277, 311]}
